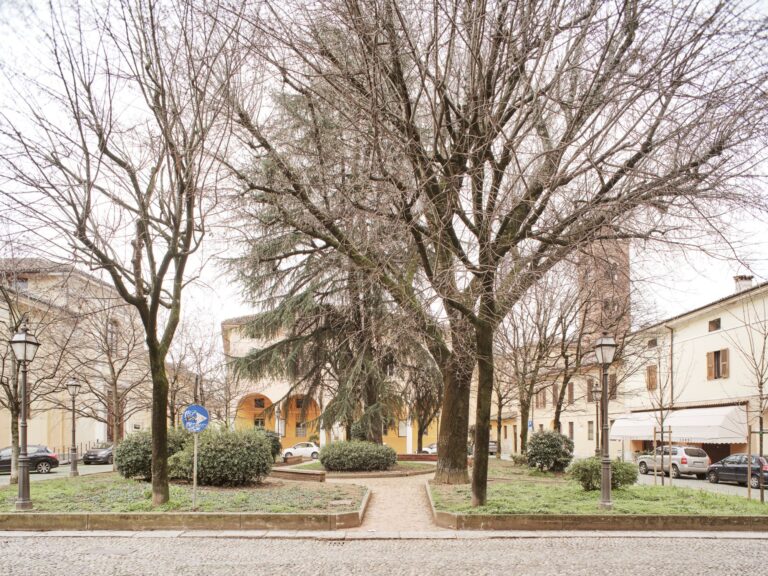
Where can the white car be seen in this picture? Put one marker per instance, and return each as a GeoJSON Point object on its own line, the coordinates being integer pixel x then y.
{"type": "Point", "coordinates": [308, 449]}
{"type": "Point", "coordinates": [431, 449]}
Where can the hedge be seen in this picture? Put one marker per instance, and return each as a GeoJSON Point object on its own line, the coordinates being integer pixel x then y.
{"type": "Point", "coordinates": [356, 456]}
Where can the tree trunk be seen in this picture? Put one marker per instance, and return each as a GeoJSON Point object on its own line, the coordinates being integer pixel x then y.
{"type": "Point", "coordinates": [525, 410]}
{"type": "Point", "coordinates": [484, 332]}
{"type": "Point", "coordinates": [117, 418]}
{"type": "Point", "coordinates": [160, 491]}
{"type": "Point", "coordinates": [498, 431]}
{"type": "Point", "coordinates": [374, 431]}
{"type": "Point", "coordinates": [420, 438]}
{"type": "Point", "coordinates": [454, 423]}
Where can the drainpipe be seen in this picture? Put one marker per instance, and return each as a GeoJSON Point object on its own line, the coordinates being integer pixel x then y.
{"type": "Point", "coordinates": [671, 366]}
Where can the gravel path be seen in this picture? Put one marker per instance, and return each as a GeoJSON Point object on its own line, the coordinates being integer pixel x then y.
{"type": "Point", "coordinates": [396, 504]}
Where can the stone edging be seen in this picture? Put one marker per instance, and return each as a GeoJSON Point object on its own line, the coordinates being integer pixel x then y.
{"type": "Point", "coordinates": [182, 520]}
{"type": "Point", "coordinates": [297, 474]}
{"type": "Point", "coordinates": [605, 522]}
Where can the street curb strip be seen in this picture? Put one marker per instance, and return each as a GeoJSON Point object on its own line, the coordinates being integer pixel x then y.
{"type": "Point", "coordinates": [133, 521]}
{"type": "Point", "coordinates": [591, 522]}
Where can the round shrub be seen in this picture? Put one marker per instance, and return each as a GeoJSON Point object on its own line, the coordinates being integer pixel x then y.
{"type": "Point", "coordinates": [180, 466]}
{"type": "Point", "coordinates": [549, 450]}
{"type": "Point", "coordinates": [133, 456]}
{"type": "Point", "coordinates": [587, 473]}
{"type": "Point", "coordinates": [356, 456]}
{"type": "Point", "coordinates": [519, 459]}
{"type": "Point", "coordinates": [230, 458]}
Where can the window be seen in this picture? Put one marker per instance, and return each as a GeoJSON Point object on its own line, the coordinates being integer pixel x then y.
{"type": "Point", "coordinates": [714, 325]}
{"type": "Point", "coordinates": [717, 364]}
{"type": "Point", "coordinates": [541, 427]}
{"type": "Point", "coordinates": [137, 426]}
{"type": "Point", "coordinates": [651, 377]}
{"type": "Point", "coordinates": [570, 430]}
{"type": "Point", "coordinates": [301, 429]}
{"type": "Point", "coordinates": [21, 284]}
{"type": "Point", "coordinates": [555, 394]}
{"type": "Point", "coordinates": [299, 403]}
{"type": "Point", "coordinates": [112, 329]}
{"type": "Point", "coordinates": [613, 387]}
{"type": "Point", "coordinates": [258, 422]}
{"type": "Point", "coordinates": [570, 392]}
{"type": "Point", "coordinates": [505, 432]}
{"type": "Point", "coordinates": [611, 307]}
{"type": "Point", "coordinates": [612, 271]}
{"type": "Point", "coordinates": [590, 430]}
{"type": "Point", "coordinates": [652, 343]}
{"type": "Point", "coordinates": [541, 398]}
{"type": "Point", "coordinates": [258, 403]}
{"type": "Point", "coordinates": [402, 428]}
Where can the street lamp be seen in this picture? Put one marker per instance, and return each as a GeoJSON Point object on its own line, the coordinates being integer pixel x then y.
{"type": "Point", "coordinates": [596, 398]}
{"type": "Point", "coordinates": [24, 346]}
{"type": "Point", "coordinates": [605, 349]}
{"type": "Point", "coordinates": [73, 387]}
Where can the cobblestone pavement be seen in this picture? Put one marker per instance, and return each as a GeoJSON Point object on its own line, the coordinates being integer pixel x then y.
{"type": "Point", "coordinates": [396, 504]}
{"type": "Point", "coordinates": [195, 556]}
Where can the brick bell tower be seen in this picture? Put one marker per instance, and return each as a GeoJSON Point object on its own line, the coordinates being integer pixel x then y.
{"type": "Point", "coordinates": [604, 289]}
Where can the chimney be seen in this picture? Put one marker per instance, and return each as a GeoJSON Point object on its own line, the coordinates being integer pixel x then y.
{"type": "Point", "coordinates": [743, 283]}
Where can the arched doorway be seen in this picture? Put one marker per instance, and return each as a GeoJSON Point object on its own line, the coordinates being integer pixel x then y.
{"type": "Point", "coordinates": [253, 411]}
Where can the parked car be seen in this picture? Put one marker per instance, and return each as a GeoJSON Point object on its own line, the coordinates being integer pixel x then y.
{"type": "Point", "coordinates": [308, 449]}
{"type": "Point", "coordinates": [431, 449]}
{"type": "Point", "coordinates": [733, 468]}
{"type": "Point", "coordinates": [493, 447]}
{"type": "Point", "coordinates": [99, 454]}
{"type": "Point", "coordinates": [685, 460]}
{"type": "Point", "coordinates": [41, 459]}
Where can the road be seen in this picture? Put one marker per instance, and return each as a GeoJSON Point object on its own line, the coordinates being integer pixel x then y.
{"type": "Point", "coordinates": [61, 472]}
{"type": "Point", "coordinates": [720, 488]}
{"type": "Point", "coordinates": [206, 556]}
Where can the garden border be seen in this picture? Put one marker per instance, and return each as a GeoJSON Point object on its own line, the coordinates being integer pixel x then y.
{"type": "Point", "coordinates": [588, 522]}
{"type": "Point", "coordinates": [47, 521]}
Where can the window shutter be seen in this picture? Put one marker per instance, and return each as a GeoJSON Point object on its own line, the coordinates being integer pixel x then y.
{"type": "Point", "coordinates": [570, 392]}
{"type": "Point", "coordinates": [589, 390]}
{"type": "Point", "coordinates": [710, 365]}
{"type": "Point", "coordinates": [612, 387]}
{"type": "Point", "coordinates": [724, 363]}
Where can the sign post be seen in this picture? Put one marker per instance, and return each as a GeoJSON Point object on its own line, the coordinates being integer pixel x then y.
{"type": "Point", "coordinates": [195, 420]}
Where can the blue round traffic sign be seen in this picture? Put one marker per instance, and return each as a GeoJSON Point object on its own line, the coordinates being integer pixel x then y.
{"type": "Point", "coordinates": [195, 418]}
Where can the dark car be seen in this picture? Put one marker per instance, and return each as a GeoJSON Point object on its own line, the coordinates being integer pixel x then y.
{"type": "Point", "coordinates": [734, 469]}
{"type": "Point", "coordinates": [41, 459]}
{"type": "Point", "coordinates": [99, 454]}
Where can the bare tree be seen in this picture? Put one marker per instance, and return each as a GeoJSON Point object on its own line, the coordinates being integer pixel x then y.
{"type": "Point", "coordinates": [499, 137]}
{"type": "Point", "coordinates": [114, 149]}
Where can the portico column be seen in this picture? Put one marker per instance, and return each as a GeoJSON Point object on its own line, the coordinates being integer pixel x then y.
{"type": "Point", "coordinates": [409, 436]}
{"type": "Point", "coordinates": [322, 437]}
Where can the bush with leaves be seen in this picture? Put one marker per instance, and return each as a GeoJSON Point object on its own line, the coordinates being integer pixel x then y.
{"type": "Point", "coordinates": [587, 472]}
{"type": "Point", "coordinates": [226, 458]}
{"type": "Point", "coordinates": [549, 450]}
{"type": "Point", "coordinates": [519, 459]}
{"type": "Point", "coordinates": [356, 456]}
{"type": "Point", "coordinates": [133, 456]}
{"type": "Point", "coordinates": [274, 440]}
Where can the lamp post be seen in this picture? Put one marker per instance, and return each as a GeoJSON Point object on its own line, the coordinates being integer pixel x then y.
{"type": "Point", "coordinates": [605, 349]}
{"type": "Point", "coordinates": [596, 397]}
{"type": "Point", "coordinates": [24, 346]}
{"type": "Point", "coordinates": [73, 387]}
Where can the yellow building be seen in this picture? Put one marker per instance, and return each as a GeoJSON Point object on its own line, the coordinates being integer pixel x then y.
{"type": "Point", "coordinates": [271, 405]}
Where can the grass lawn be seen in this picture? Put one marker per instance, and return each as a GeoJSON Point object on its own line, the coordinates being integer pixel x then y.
{"type": "Point", "coordinates": [400, 466]}
{"type": "Point", "coordinates": [111, 493]}
{"type": "Point", "coordinates": [559, 496]}
{"type": "Point", "coordinates": [506, 469]}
